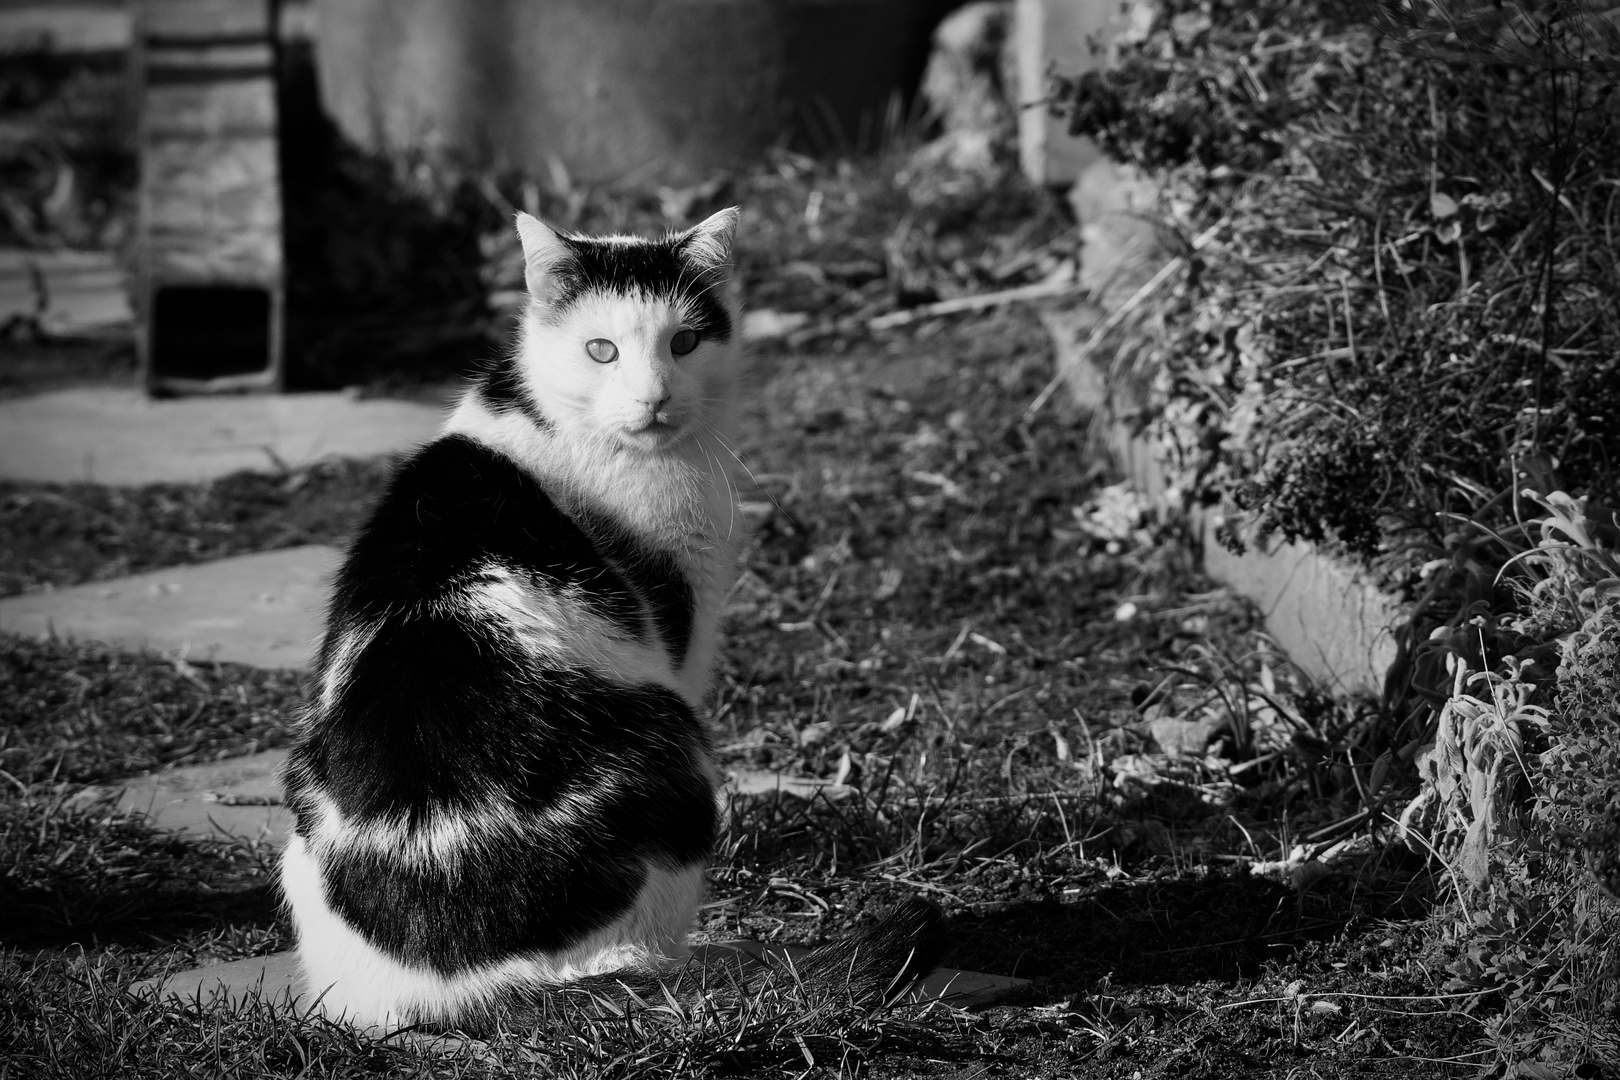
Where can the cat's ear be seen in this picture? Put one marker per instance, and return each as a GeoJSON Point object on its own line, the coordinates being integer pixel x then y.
{"type": "Point", "coordinates": [543, 252]}
{"type": "Point", "coordinates": [708, 243]}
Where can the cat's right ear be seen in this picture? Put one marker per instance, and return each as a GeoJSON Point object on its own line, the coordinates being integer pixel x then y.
{"type": "Point", "coordinates": [543, 252]}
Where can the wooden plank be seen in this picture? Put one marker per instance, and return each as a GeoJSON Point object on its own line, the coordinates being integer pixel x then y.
{"type": "Point", "coordinates": [208, 64]}
{"type": "Point", "coordinates": [209, 111]}
{"type": "Point", "coordinates": [169, 19]}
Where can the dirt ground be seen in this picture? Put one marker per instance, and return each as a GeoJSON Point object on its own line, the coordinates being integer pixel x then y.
{"type": "Point", "coordinates": [925, 619]}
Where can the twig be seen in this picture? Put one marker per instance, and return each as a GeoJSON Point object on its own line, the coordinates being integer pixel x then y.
{"type": "Point", "coordinates": [977, 302]}
{"type": "Point", "coordinates": [1358, 997]}
{"type": "Point", "coordinates": [1120, 314]}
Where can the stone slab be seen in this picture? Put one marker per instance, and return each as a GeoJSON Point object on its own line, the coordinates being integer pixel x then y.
{"type": "Point", "coordinates": [83, 291]}
{"type": "Point", "coordinates": [1328, 617]}
{"type": "Point", "coordinates": [120, 436]}
{"type": "Point", "coordinates": [278, 979]}
{"type": "Point", "coordinates": [239, 797]}
{"type": "Point", "coordinates": [265, 610]}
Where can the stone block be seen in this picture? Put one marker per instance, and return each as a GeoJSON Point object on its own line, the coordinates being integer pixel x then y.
{"type": "Point", "coordinates": [1333, 622]}
{"type": "Point", "coordinates": [110, 435]}
{"type": "Point", "coordinates": [1057, 36]}
{"type": "Point", "coordinates": [238, 797]}
{"type": "Point", "coordinates": [1115, 205]}
{"type": "Point", "coordinates": [266, 610]}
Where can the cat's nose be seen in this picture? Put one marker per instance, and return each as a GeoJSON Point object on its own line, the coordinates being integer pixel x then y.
{"type": "Point", "coordinates": [657, 406]}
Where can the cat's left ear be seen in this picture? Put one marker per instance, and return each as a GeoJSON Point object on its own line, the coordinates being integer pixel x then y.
{"type": "Point", "coordinates": [708, 243]}
{"type": "Point", "coordinates": [543, 252]}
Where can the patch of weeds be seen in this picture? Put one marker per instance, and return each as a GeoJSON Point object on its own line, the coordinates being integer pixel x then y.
{"type": "Point", "coordinates": [73, 873]}
{"type": "Point", "coordinates": [1518, 804]}
{"type": "Point", "coordinates": [74, 869]}
{"type": "Point", "coordinates": [66, 534]}
{"type": "Point", "coordinates": [66, 1016]}
{"type": "Point", "coordinates": [76, 714]}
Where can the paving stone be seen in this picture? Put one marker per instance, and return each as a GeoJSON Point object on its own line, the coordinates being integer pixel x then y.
{"type": "Point", "coordinates": [242, 797]}
{"type": "Point", "coordinates": [278, 979]}
{"type": "Point", "coordinates": [238, 797]}
{"type": "Point", "coordinates": [114, 435]}
{"type": "Point", "coordinates": [265, 610]}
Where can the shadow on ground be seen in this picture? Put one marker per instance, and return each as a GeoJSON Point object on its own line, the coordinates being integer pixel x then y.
{"type": "Point", "coordinates": [1191, 928]}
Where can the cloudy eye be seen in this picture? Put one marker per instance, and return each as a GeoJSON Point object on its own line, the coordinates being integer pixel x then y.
{"type": "Point", "coordinates": [684, 341]}
{"type": "Point", "coordinates": [602, 350]}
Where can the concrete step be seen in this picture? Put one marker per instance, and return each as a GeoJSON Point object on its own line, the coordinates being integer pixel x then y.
{"type": "Point", "coordinates": [238, 798]}
{"type": "Point", "coordinates": [241, 797]}
{"type": "Point", "coordinates": [110, 435]}
{"type": "Point", "coordinates": [266, 610]}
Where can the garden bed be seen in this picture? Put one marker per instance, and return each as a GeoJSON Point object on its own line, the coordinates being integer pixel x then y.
{"type": "Point", "coordinates": [1386, 328]}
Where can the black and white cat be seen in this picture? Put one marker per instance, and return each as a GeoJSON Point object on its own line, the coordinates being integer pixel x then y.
{"type": "Point", "coordinates": [502, 784]}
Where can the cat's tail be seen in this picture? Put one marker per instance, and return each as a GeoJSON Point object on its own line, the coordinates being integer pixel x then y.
{"type": "Point", "coordinates": [871, 968]}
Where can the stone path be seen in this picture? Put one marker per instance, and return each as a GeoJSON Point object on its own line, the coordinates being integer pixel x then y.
{"type": "Point", "coordinates": [121, 436]}
{"type": "Point", "coordinates": [241, 797]}
{"type": "Point", "coordinates": [238, 797]}
{"type": "Point", "coordinates": [264, 610]}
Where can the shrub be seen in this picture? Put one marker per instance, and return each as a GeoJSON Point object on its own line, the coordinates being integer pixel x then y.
{"type": "Point", "coordinates": [1399, 327]}
{"type": "Point", "coordinates": [1408, 296]}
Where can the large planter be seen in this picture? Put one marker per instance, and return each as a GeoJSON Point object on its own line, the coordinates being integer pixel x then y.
{"type": "Point", "coordinates": [648, 90]}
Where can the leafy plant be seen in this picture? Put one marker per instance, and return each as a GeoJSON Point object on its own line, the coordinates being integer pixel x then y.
{"type": "Point", "coordinates": [1403, 295]}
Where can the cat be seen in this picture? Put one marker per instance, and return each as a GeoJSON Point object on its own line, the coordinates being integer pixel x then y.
{"type": "Point", "coordinates": [501, 783]}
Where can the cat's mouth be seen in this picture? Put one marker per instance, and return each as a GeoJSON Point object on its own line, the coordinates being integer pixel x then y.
{"type": "Point", "coordinates": [653, 434]}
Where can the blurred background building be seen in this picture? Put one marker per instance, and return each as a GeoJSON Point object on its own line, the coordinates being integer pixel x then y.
{"type": "Point", "coordinates": [228, 146]}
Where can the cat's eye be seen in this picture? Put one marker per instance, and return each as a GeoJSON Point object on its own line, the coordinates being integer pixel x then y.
{"type": "Point", "coordinates": [602, 350]}
{"type": "Point", "coordinates": [684, 341]}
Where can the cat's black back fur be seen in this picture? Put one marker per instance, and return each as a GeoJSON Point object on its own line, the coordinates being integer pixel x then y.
{"type": "Point", "coordinates": [443, 714]}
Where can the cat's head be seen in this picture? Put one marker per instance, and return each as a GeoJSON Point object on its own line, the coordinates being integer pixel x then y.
{"type": "Point", "coordinates": [629, 340]}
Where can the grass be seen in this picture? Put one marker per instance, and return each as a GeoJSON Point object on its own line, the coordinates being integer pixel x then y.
{"type": "Point", "coordinates": [924, 618]}
{"type": "Point", "coordinates": [67, 534]}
